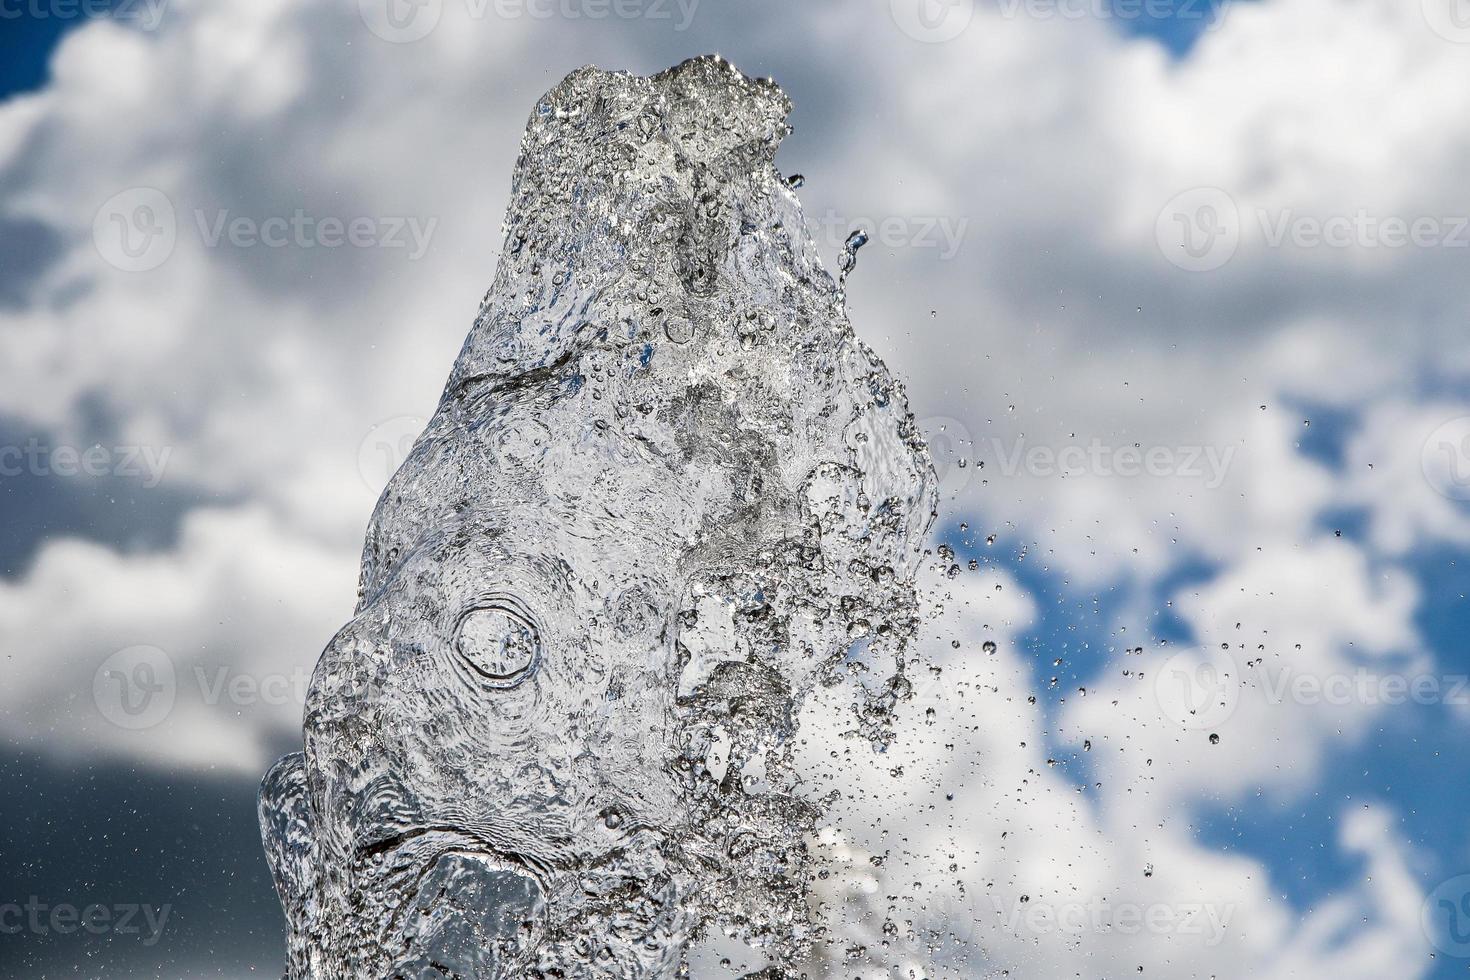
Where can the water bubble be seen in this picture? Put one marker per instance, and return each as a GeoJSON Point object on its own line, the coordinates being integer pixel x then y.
{"type": "Point", "coordinates": [679, 329]}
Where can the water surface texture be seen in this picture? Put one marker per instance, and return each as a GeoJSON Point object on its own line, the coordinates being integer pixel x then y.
{"type": "Point", "coordinates": [666, 496]}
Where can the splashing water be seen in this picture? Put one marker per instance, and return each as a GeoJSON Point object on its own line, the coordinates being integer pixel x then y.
{"type": "Point", "coordinates": [666, 496]}
{"type": "Point", "coordinates": [848, 262]}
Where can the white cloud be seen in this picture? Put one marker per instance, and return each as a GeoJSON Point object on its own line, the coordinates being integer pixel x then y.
{"type": "Point", "coordinates": [1408, 466]}
{"type": "Point", "coordinates": [1295, 651]}
{"type": "Point", "coordinates": [238, 611]}
{"type": "Point", "coordinates": [993, 858]}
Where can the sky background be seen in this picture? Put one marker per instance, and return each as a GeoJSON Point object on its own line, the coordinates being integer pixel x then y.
{"type": "Point", "coordinates": [1180, 299]}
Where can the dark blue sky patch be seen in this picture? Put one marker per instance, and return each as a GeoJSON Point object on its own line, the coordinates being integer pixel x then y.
{"type": "Point", "coordinates": [47, 493]}
{"type": "Point", "coordinates": [1411, 764]}
{"type": "Point", "coordinates": [108, 834]}
{"type": "Point", "coordinates": [1176, 24]}
{"type": "Point", "coordinates": [1323, 433]}
{"type": "Point", "coordinates": [31, 29]}
{"type": "Point", "coordinates": [25, 50]}
{"type": "Point", "coordinates": [1443, 616]}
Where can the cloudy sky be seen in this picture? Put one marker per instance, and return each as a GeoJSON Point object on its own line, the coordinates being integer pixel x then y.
{"type": "Point", "coordinates": [1179, 291]}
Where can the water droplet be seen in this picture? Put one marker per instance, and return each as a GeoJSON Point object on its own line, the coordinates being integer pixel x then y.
{"type": "Point", "coordinates": [855, 241]}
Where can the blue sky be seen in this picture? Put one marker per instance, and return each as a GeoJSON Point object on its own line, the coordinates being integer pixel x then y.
{"type": "Point", "coordinates": [1412, 761]}
{"type": "Point", "coordinates": [1064, 319]}
{"type": "Point", "coordinates": [26, 48]}
{"type": "Point", "coordinates": [26, 44]}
